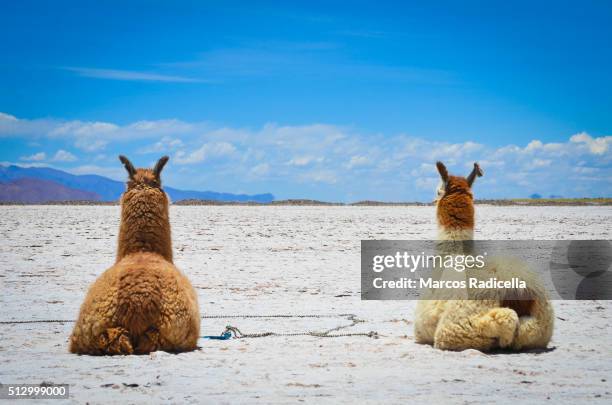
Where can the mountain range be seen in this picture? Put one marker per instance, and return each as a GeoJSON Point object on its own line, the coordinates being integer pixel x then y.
{"type": "Point", "coordinates": [41, 184]}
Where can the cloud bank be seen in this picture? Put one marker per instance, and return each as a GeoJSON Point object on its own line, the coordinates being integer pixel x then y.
{"type": "Point", "coordinates": [321, 161]}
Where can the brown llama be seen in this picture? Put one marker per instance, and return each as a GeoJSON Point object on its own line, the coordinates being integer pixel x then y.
{"type": "Point", "coordinates": [143, 303]}
{"type": "Point", "coordinates": [497, 318]}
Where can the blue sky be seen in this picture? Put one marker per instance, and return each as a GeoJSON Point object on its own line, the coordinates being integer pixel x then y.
{"type": "Point", "coordinates": [326, 100]}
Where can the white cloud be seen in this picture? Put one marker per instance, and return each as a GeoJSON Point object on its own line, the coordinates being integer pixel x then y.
{"type": "Point", "coordinates": [260, 170]}
{"type": "Point", "coordinates": [130, 75]}
{"type": "Point", "coordinates": [537, 146]}
{"type": "Point", "coordinates": [205, 152]}
{"type": "Point", "coordinates": [427, 183]}
{"type": "Point", "coordinates": [452, 151]}
{"type": "Point", "coordinates": [94, 135]}
{"type": "Point", "coordinates": [303, 161]}
{"type": "Point", "coordinates": [88, 136]}
{"type": "Point", "coordinates": [424, 169]}
{"type": "Point", "coordinates": [36, 157]}
{"type": "Point", "coordinates": [534, 145]}
{"type": "Point", "coordinates": [79, 129]}
{"type": "Point", "coordinates": [585, 170]}
{"type": "Point", "coordinates": [22, 164]}
{"type": "Point", "coordinates": [160, 127]}
{"type": "Point", "coordinates": [63, 156]}
{"type": "Point", "coordinates": [165, 145]}
{"type": "Point", "coordinates": [357, 161]}
{"type": "Point", "coordinates": [539, 163]}
{"type": "Point", "coordinates": [7, 117]}
{"type": "Point", "coordinates": [320, 176]}
{"type": "Point", "coordinates": [90, 145]}
{"type": "Point", "coordinates": [597, 146]}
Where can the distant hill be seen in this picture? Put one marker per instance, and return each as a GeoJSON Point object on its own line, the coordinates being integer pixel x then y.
{"type": "Point", "coordinates": [96, 188]}
{"type": "Point", "coordinates": [38, 191]}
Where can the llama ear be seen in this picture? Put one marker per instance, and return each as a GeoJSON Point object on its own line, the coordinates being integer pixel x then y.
{"type": "Point", "coordinates": [128, 166]}
{"type": "Point", "coordinates": [160, 165]}
{"type": "Point", "coordinates": [442, 170]}
{"type": "Point", "coordinates": [476, 172]}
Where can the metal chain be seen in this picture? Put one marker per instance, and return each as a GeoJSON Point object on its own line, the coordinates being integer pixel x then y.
{"type": "Point", "coordinates": [278, 316]}
{"type": "Point", "coordinates": [328, 333]}
{"type": "Point", "coordinates": [239, 335]}
{"type": "Point", "coordinates": [38, 321]}
{"type": "Point", "coordinates": [203, 317]}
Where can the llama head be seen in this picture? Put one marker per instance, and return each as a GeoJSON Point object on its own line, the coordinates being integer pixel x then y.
{"type": "Point", "coordinates": [454, 201]}
{"type": "Point", "coordinates": [143, 179]}
{"type": "Point", "coordinates": [455, 184]}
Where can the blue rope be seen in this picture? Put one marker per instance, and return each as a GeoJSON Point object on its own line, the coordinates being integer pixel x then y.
{"type": "Point", "coordinates": [224, 336]}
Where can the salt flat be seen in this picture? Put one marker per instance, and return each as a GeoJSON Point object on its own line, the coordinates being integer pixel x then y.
{"type": "Point", "coordinates": [279, 260]}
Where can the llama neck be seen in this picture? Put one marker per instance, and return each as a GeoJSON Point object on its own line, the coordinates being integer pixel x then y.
{"type": "Point", "coordinates": [455, 226]}
{"type": "Point", "coordinates": [455, 238]}
{"type": "Point", "coordinates": [145, 225]}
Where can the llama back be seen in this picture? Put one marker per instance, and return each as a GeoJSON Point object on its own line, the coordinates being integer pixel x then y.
{"type": "Point", "coordinates": [508, 268]}
{"type": "Point", "coordinates": [139, 298]}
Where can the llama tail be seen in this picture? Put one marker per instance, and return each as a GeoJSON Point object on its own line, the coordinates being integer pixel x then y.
{"type": "Point", "coordinates": [114, 341]}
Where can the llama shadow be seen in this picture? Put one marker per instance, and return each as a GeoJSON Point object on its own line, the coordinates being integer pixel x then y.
{"type": "Point", "coordinates": [502, 352]}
